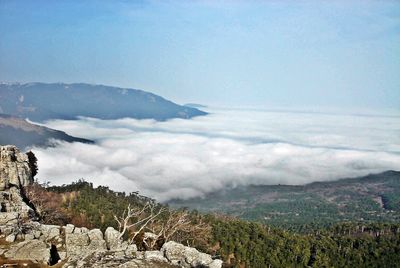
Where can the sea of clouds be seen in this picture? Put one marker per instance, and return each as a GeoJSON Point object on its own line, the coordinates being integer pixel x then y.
{"type": "Point", "coordinates": [229, 147]}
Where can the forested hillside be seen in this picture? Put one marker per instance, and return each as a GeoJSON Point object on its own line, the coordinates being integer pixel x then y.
{"type": "Point", "coordinates": [369, 199]}
{"type": "Point", "coordinates": [238, 242]}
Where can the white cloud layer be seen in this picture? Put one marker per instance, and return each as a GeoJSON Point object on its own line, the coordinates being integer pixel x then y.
{"type": "Point", "coordinates": [188, 158]}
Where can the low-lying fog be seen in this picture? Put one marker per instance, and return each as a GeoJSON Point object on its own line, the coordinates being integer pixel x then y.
{"type": "Point", "coordinates": [188, 158]}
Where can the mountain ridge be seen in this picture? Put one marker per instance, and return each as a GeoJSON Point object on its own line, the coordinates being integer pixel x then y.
{"type": "Point", "coordinates": [15, 130]}
{"type": "Point", "coordinates": [43, 101]}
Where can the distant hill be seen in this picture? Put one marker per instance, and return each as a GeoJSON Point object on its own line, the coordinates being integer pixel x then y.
{"type": "Point", "coordinates": [41, 101]}
{"type": "Point", "coordinates": [373, 198]}
{"type": "Point", "coordinates": [19, 132]}
{"type": "Point", "coordinates": [195, 105]}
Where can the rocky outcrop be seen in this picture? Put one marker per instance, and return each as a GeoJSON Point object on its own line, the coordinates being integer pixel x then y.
{"type": "Point", "coordinates": [81, 241]}
{"type": "Point", "coordinates": [187, 257]}
{"type": "Point", "coordinates": [80, 247]}
{"type": "Point", "coordinates": [115, 259]}
{"type": "Point", "coordinates": [15, 173]}
{"type": "Point", "coordinates": [22, 238]}
{"type": "Point", "coordinates": [112, 238]}
{"type": "Point", "coordinates": [14, 168]}
{"type": "Point", "coordinates": [33, 250]}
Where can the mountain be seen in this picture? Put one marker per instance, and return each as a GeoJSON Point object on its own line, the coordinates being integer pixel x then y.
{"type": "Point", "coordinates": [373, 198]}
{"type": "Point", "coordinates": [195, 105]}
{"type": "Point", "coordinates": [14, 130]}
{"type": "Point", "coordinates": [41, 101]}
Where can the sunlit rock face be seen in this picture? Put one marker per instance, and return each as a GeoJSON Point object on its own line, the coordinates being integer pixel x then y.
{"type": "Point", "coordinates": [14, 168]}
{"type": "Point", "coordinates": [15, 173]}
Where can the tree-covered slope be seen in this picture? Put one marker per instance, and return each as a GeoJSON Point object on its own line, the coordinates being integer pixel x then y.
{"type": "Point", "coordinates": [242, 243]}
{"type": "Point", "coordinates": [373, 198]}
{"type": "Point", "coordinates": [41, 101]}
{"type": "Point", "coordinates": [249, 244]}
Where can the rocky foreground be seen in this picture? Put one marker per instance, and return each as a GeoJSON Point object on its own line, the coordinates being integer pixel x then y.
{"type": "Point", "coordinates": [26, 242]}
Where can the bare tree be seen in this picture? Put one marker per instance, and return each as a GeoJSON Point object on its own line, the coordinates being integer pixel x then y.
{"type": "Point", "coordinates": [179, 226]}
{"type": "Point", "coordinates": [136, 219]}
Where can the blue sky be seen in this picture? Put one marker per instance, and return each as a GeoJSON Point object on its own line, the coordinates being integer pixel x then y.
{"type": "Point", "coordinates": [343, 54]}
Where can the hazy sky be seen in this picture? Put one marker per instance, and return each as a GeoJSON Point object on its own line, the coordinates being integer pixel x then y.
{"type": "Point", "coordinates": [264, 53]}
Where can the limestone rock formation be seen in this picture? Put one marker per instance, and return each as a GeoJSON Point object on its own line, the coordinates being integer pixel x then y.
{"type": "Point", "coordinates": [81, 241]}
{"type": "Point", "coordinates": [114, 260]}
{"type": "Point", "coordinates": [188, 257]}
{"type": "Point", "coordinates": [34, 250]}
{"type": "Point", "coordinates": [14, 168]}
{"type": "Point", "coordinates": [15, 173]}
{"type": "Point", "coordinates": [111, 237]}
